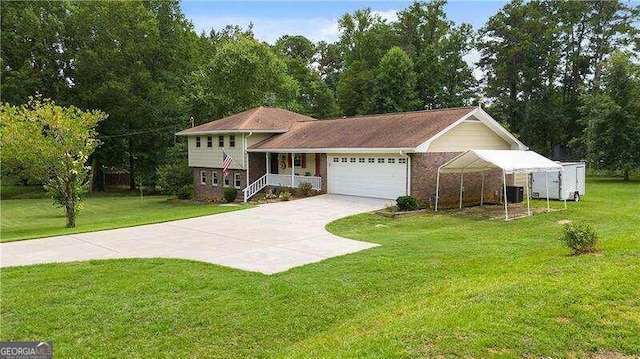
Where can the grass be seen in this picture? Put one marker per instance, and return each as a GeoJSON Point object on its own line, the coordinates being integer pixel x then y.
{"type": "Point", "coordinates": [33, 218]}
{"type": "Point", "coordinates": [439, 286]}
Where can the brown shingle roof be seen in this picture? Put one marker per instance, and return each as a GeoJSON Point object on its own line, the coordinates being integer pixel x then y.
{"type": "Point", "coordinates": [257, 119]}
{"type": "Point", "coordinates": [395, 130]}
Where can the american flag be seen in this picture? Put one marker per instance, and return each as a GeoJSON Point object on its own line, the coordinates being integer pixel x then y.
{"type": "Point", "coordinates": [226, 162]}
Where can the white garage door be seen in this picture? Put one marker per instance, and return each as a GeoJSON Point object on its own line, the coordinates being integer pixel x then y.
{"type": "Point", "coordinates": [379, 176]}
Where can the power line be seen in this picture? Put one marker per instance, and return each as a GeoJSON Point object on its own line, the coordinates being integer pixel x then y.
{"type": "Point", "coordinates": [141, 131]}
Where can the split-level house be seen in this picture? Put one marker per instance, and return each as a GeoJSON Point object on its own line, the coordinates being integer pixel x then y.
{"type": "Point", "coordinates": [381, 156]}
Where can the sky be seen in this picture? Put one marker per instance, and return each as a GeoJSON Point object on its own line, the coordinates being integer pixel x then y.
{"type": "Point", "coordinates": [316, 20]}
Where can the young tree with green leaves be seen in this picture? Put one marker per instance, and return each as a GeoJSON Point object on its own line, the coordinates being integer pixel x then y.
{"type": "Point", "coordinates": [395, 83]}
{"type": "Point", "coordinates": [58, 140]}
{"type": "Point", "coordinates": [611, 117]}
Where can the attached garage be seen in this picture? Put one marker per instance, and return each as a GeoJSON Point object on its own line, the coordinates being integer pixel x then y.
{"type": "Point", "coordinates": [366, 175]}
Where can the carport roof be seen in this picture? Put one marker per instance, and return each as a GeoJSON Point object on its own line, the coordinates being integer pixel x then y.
{"type": "Point", "coordinates": [508, 160]}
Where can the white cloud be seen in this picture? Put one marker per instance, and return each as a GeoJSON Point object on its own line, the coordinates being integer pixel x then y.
{"type": "Point", "coordinates": [389, 15]}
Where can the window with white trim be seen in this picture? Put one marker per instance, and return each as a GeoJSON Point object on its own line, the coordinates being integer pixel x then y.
{"type": "Point", "coordinates": [391, 160]}
{"type": "Point", "coordinates": [226, 181]}
{"type": "Point", "coordinates": [197, 141]}
{"type": "Point", "coordinates": [336, 159]}
{"type": "Point", "coordinates": [371, 160]}
{"type": "Point", "coordinates": [344, 160]}
{"type": "Point", "coordinates": [237, 181]}
{"type": "Point", "coordinates": [220, 141]}
{"type": "Point", "coordinates": [209, 141]}
{"type": "Point", "coordinates": [203, 177]}
{"type": "Point", "coordinates": [214, 178]}
{"type": "Point", "coordinates": [402, 160]}
{"type": "Point", "coordinates": [380, 160]}
{"type": "Point", "coordinates": [232, 141]}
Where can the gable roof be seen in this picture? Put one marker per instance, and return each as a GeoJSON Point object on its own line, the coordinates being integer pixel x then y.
{"type": "Point", "coordinates": [259, 119]}
{"type": "Point", "coordinates": [405, 130]}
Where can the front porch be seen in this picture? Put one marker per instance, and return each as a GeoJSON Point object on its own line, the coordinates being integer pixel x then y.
{"type": "Point", "coordinates": [285, 170]}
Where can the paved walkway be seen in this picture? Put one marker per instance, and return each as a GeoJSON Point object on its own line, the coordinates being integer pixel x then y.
{"type": "Point", "coordinates": [269, 238]}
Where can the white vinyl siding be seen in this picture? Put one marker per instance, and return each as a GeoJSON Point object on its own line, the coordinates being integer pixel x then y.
{"type": "Point", "coordinates": [469, 135]}
{"type": "Point", "coordinates": [211, 157]}
{"type": "Point", "coordinates": [378, 179]}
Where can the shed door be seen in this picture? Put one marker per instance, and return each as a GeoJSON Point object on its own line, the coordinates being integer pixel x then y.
{"type": "Point", "coordinates": [381, 176]}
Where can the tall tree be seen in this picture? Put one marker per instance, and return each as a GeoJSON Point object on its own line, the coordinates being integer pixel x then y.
{"type": "Point", "coordinates": [34, 54]}
{"type": "Point", "coordinates": [59, 139]}
{"type": "Point", "coordinates": [241, 74]}
{"type": "Point", "coordinates": [437, 48]}
{"type": "Point", "coordinates": [131, 60]}
{"type": "Point", "coordinates": [314, 97]}
{"type": "Point", "coordinates": [395, 83]}
{"type": "Point", "coordinates": [612, 117]}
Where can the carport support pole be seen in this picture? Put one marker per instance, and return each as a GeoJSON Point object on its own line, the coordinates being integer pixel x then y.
{"type": "Point", "coordinates": [461, 186]}
{"type": "Point", "coordinates": [437, 189]}
{"type": "Point", "coordinates": [504, 185]}
{"type": "Point", "coordinates": [482, 191]}
{"type": "Point", "coordinates": [546, 184]}
{"type": "Point", "coordinates": [528, 206]}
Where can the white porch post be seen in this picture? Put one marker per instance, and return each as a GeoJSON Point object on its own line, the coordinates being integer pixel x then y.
{"type": "Point", "coordinates": [461, 186]}
{"type": "Point", "coordinates": [293, 168]}
{"type": "Point", "coordinates": [437, 189]}
{"type": "Point", "coordinates": [268, 161]}
{"type": "Point", "coordinates": [504, 185]}
{"type": "Point", "coordinates": [482, 191]}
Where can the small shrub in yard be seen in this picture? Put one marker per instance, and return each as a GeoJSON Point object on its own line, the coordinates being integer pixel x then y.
{"type": "Point", "coordinates": [270, 196]}
{"type": "Point", "coordinates": [229, 194]}
{"type": "Point", "coordinates": [406, 203]}
{"type": "Point", "coordinates": [305, 189]}
{"type": "Point", "coordinates": [185, 192]}
{"type": "Point", "coordinates": [580, 238]}
{"type": "Point", "coordinates": [285, 196]}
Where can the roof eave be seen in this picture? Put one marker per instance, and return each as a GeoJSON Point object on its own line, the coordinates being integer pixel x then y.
{"type": "Point", "coordinates": [213, 132]}
{"type": "Point", "coordinates": [337, 150]}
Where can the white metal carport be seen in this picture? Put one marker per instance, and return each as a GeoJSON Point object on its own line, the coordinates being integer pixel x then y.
{"type": "Point", "coordinates": [509, 161]}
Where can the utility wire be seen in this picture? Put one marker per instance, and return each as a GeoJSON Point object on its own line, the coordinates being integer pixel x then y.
{"type": "Point", "coordinates": [141, 131]}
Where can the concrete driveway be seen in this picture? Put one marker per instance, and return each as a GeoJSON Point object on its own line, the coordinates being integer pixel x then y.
{"type": "Point", "coordinates": [270, 238]}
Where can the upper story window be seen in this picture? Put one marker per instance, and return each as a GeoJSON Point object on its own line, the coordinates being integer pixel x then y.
{"type": "Point", "coordinates": [220, 141]}
{"type": "Point", "coordinates": [209, 141]}
{"type": "Point", "coordinates": [232, 141]}
{"type": "Point", "coordinates": [197, 141]}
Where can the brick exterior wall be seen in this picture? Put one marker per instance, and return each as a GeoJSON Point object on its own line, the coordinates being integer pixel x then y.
{"type": "Point", "coordinates": [424, 171]}
{"type": "Point", "coordinates": [257, 166]}
{"type": "Point", "coordinates": [323, 172]}
{"type": "Point", "coordinates": [214, 193]}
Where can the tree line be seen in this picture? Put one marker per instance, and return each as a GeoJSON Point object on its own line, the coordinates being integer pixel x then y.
{"type": "Point", "coordinates": [557, 74]}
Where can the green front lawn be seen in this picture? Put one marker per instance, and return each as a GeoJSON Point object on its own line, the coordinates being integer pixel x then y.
{"type": "Point", "coordinates": [33, 218]}
{"type": "Point", "coordinates": [439, 286]}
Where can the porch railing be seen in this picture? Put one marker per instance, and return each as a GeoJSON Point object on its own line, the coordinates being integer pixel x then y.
{"type": "Point", "coordinates": [280, 180]}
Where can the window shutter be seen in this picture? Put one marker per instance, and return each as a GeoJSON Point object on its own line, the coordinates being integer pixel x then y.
{"type": "Point", "coordinates": [303, 160]}
{"type": "Point", "coordinates": [289, 160]}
